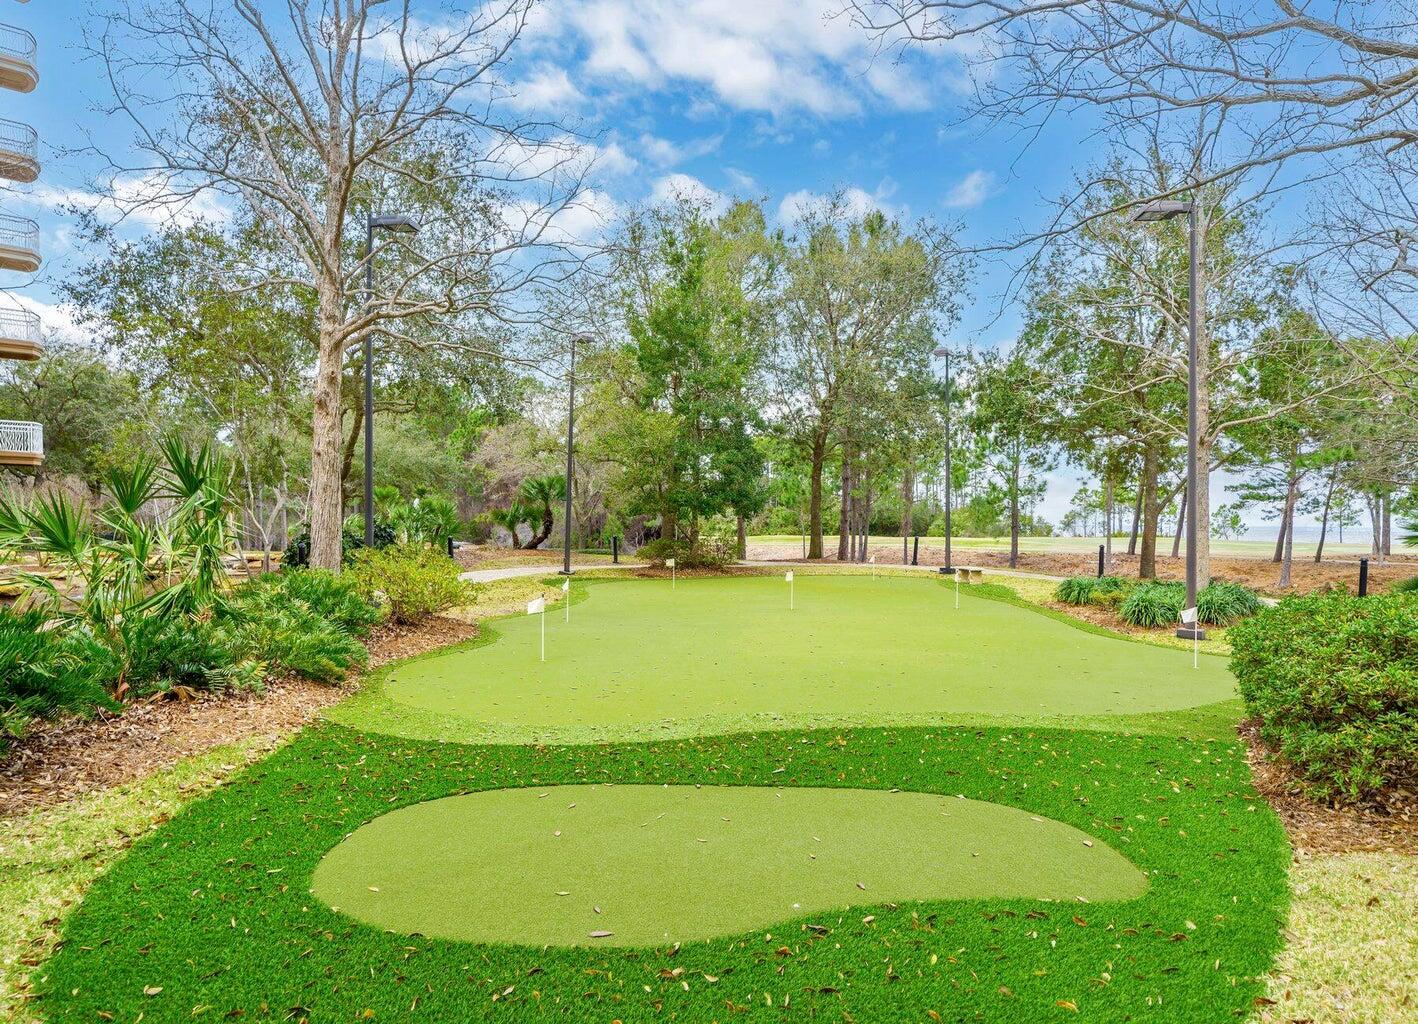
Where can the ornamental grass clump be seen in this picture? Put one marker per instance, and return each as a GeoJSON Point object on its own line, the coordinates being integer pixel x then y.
{"type": "Point", "coordinates": [1222, 602]}
{"type": "Point", "coordinates": [1153, 604]}
{"type": "Point", "coordinates": [1333, 681]}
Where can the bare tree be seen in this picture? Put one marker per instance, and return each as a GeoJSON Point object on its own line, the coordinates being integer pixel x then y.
{"type": "Point", "coordinates": [305, 119]}
{"type": "Point", "coordinates": [1317, 79]}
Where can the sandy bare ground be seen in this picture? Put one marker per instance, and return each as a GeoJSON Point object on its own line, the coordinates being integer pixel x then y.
{"type": "Point", "coordinates": [1257, 573]}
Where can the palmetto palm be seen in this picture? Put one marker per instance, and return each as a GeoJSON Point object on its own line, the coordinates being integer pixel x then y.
{"type": "Point", "coordinates": [121, 568]}
{"type": "Point", "coordinates": [543, 490]}
{"type": "Point", "coordinates": [511, 518]}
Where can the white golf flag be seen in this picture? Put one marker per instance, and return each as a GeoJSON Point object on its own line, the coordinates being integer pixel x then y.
{"type": "Point", "coordinates": [1189, 616]}
{"type": "Point", "coordinates": [670, 563]}
{"type": "Point", "coordinates": [566, 586]}
{"type": "Point", "coordinates": [536, 606]}
{"type": "Point", "coordinates": [789, 577]}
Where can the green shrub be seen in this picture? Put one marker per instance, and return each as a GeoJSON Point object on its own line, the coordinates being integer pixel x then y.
{"type": "Point", "coordinates": [1153, 604]}
{"type": "Point", "coordinates": [414, 582]}
{"type": "Point", "coordinates": [41, 672]}
{"type": "Point", "coordinates": [1101, 590]}
{"type": "Point", "coordinates": [1408, 586]}
{"type": "Point", "coordinates": [332, 597]}
{"type": "Point", "coordinates": [281, 632]}
{"type": "Point", "coordinates": [1333, 680]}
{"type": "Point", "coordinates": [297, 553]}
{"type": "Point", "coordinates": [703, 555]}
{"type": "Point", "coordinates": [1221, 603]}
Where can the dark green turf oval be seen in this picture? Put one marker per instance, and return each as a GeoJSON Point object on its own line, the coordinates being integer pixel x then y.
{"type": "Point", "coordinates": [656, 864]}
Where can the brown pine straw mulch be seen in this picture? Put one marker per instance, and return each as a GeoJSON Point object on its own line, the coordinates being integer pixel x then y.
{"type": "Point", "coordinates": [60, 760]}
{"type": "Point", "coordinates": [1388, 824]}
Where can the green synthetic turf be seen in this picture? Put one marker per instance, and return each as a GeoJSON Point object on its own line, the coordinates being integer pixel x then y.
{"type": "Point", "coordinates": [640, 658]}
{"type": "Point", "coordinates": [641, 865]}
{"type": "Point", "coordinates": [211, 918]}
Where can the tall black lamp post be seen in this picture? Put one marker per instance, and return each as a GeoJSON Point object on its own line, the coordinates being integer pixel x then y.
{"type": "Point", "coordinates": [570, 463]}
{"type": "Point", "coordinates": [405, 226]}
{"type": "Point", "coordinates": [944, 353]}
{"type": "Point", "coordinates": [1166, 209]}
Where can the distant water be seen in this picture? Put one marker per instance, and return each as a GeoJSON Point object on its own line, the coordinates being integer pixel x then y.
{"type": "Point", "coordinates": [1310, 534]}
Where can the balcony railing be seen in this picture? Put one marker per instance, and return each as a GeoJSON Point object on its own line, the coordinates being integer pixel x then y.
{"type": "Point", "coordinates": [20, 336]}
{"type": "Point", "coordinates": [19, 243]}
{"type": "Point", "coordinates": [19, 151]}
{"type": "Point", "coordinates": [21, 444]}
{"type": "Point", "coordinates": [17, 59]}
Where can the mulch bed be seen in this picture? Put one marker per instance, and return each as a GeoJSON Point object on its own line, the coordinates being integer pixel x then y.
{"type": "Point", "coordinates": [1388, 824]}
{"type": "Point", "coordinates": [60, 760]}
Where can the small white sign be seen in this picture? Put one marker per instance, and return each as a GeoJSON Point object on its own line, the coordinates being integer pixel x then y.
{"type": "Point", "coordinates": [566, 586]}
{"type": "Point", "coordinates": [1189, 615]}
{"type": "Point", "coordinates": [536, 606]}
{"type": "Point", "coordinates": [789, 577]}
{"type": "Point", "coordinates": [670, 563]}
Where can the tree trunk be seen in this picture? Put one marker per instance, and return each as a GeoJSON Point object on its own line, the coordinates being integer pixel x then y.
{"type": "Point", "coordinates": [1136, 521]}
{"type": "Point", "coordinates": [1375, 506]}
{"type": "Point", "coordinates": [326, 499]}
{"type": "Point", "coordinates": [1147, 562]}
{"type": "Point", "coordinates": [1287, 525]}
{"type": "Point", "coordinates": [819, 457]}
{"type": "Point", "coordinates": [742, 539]}
{"type": "Point", "coordinates": [866, 518]}
{"type": "Point", "coordinates": [1181, 524]}
{"type": "Point", "coordinates": [1388, 525]}
{"type": "Point", "coordinates": [844, 519]}
{"type": "Point", "coordinates": [1202, 526]}
{"type": "Point", "coordinates": [1324, 516]}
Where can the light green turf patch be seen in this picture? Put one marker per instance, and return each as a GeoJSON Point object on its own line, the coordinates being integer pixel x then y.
{"type": "Point", "coordinates": [640, 865]}
{"type": "Point", "coordinates": [639, 658]}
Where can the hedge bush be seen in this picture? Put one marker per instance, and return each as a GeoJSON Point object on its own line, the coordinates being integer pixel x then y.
{"type": "Point", "coordinates": [1222, 602]}
{"type": "Point", "coordinates": [1333, 680]}
{"type": "Point", "coordinates": [42, 672]}
{"type": "Point", "coordinates": [332, 597]}
{"type": "Point", "coordinates": [703, 555]}
{"type": "Point", "coordinates": [1103, 590]}
{"type": "Point", "coordinates": [411, 580]}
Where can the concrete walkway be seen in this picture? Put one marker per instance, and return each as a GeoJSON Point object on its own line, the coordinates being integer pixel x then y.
{"type": "Point", "coordinates": [516, 571]}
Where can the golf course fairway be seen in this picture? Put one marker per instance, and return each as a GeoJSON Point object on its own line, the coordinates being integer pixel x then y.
{"type": "Point", "coordinates": [640, 865]}
{"type": "Point", "coordinates": [641, 658]}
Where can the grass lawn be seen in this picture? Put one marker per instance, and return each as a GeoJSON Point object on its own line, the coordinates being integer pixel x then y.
{"type": "Point", "coordinates": [640, 659]}
{"type": "Point", "coordinates": [211, 916]}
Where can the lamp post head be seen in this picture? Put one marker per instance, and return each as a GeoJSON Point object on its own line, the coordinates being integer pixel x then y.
{"type": "Point", "coordinates": [941, 353]}
{"type": "Point", "coordinates": [396, 222]}
{"type": "Point", "coordinates": [1160, 209]}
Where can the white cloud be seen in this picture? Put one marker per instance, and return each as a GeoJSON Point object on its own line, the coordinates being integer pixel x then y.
{"type": "Point", "coordinates": [664, 153]}
{"type": "Point", "coordinates": [582, 222]}
{"type": "Point", "coordinates": [856, 202]}
{"type": "Point", "coordinates": [548, 88]}
{"type": "Point", "coordinates": [685, 186]}
{"type": "Point", "coordinates": [742, 182]}
{"type": "Point", "coordinates": [55, 320]}
{"type": "Point", "coordinates": [769, 55]}
{"type": "Point", "coordinates": [970, 191]}
{"type": "Point", "coordinates": [563, 156]}
{"type": "Point", "coordinates": [150, 200]}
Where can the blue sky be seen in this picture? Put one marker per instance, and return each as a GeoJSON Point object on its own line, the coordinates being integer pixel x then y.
{"type": "Point", "coordinates": [770, 99]}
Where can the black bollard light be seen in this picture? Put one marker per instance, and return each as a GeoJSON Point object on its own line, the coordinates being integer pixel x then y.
{"type": "Point", "coordinates": [1363, 577]}
{"type": "Point", "coordinates": [915, 548]}
{"type": "Point", "coordinates": [615, 550]}
{"type": "Point", "coordinates": [1100, 561]}
{"type": "Point", "coordinates": [450, 547]}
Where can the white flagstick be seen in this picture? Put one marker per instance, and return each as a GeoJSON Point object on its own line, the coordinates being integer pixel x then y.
{"type": "Point", "coordinates": [671, 563]}
{"type": "Point", "coordinates": [1189, 619]}
{"type": "Point", "coordinates": [789, 578]}
{"type": "Point", "coordinates": [566, 590]}
{"type": "Point", "coordinates": [538, 606]}
{"type": "Point", "coordinates": [957, 588]}
{"type": "Point", "coordinates": [873, 566]}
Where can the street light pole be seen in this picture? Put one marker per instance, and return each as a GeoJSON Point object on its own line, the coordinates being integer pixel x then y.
{"type": "Point", "coordinates": [948, 569]}
{"type": "Point", "coordinates": [1165, 209]}
{"type": "Point", "coordinates": [404, 226]}
{"type": "Point", "coordinates": [570, 463]}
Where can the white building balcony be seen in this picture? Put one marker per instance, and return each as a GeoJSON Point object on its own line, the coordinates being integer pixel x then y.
{"type": "Point", "coordinates": [17, 59]}
{"type": "Point", "coordinates": [19, 335]}
{"type": "Point", "coordinates": [19, 151]}
{"type": "Point", "coordinates": [19, 244]}
{"type": "Point", "coordinates": [21, 444]}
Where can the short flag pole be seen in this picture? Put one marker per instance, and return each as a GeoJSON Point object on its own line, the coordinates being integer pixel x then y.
{"type": "Point", "coordinates": [1189, 619]}
{"type": "Point", "coordinates": [873, 565]}
{"type": "Point", "coordinates": [566, 597]}
{"type": "Point", "coordinates": [957, 590]}
{"type": "Point", "coordinates": [789, 578]}
{"type": "Point", "coordinates": [538, 606]}
{"type": "Point", "coordinates": [671, 563]}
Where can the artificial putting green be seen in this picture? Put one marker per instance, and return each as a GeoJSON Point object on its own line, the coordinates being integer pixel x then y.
{"type": "Point", "coordinates": [640, 865]}
{"type": "Point", "coordinates": [210, 917]}
{"type": "Point", "coordinates": [642, 658]}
